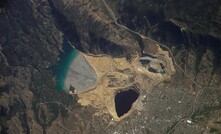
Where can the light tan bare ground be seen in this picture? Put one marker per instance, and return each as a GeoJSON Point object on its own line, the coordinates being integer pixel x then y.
{"type": "Point", "coordinates": [115, 74]}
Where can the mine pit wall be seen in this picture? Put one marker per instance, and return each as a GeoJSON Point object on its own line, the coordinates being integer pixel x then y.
{"type": "Point", "coordinates": [133, 105]}
{"type": "Point", "coordinates": [109, 39]}
{"type": "Point", "coordinates": [135, 91]}
{"type": "Point", "coordinates": [102, 96]}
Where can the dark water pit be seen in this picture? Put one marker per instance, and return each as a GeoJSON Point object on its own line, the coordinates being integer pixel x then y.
{"type": "Point", "coordinates": [124, 100]}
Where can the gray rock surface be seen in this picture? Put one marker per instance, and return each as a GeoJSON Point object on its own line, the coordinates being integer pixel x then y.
{"type": "Point", "coordinates": [81, 76]}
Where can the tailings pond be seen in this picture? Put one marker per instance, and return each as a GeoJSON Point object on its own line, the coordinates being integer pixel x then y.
{"type": "Point", "coordinates": [73, 72]}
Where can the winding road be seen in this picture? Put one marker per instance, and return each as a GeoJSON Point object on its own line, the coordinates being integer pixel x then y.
{"type": "Point", "coordinates": [109, 10]}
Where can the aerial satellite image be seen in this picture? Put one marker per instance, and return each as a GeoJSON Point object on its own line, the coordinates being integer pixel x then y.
{"type": "Point", "coordinates": [110, 66]}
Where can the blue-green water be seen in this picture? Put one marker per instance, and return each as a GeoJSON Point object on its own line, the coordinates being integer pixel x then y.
{"type": "Point", "coordinates": [60, 70]}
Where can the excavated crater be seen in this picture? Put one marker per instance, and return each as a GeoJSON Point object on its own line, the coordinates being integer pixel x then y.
{"type": "Point", "coordinates": [119, 82]}
{"type": "Point", "coordinates": [124, 100]}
